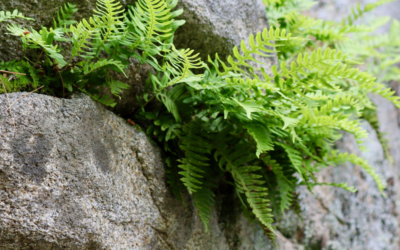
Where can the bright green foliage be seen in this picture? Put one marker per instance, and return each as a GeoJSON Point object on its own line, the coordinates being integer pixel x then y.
{"type": "Point", "coordinates": [234, 123]}
{"type": "Point", "coordinates": [7, 15]}
{"type": "Point", "coordinates": [358, 12]}
{"type": "Point", "coordinates": [380, 51]}
{"type": "Point", "coordinates": [268, 132]}
{"type": "Point", "coordinates": [196, 149]}
{"type": "Point", "coordinates": [106, 41]}
{"type": "Point", "coordinates": [64, 16]}
{"type": "Point", "coordinates": [15, 83]}
{"type": "Point", "coordinates": [345, 157]}
{"type": "Point", "coordinates": [323, 41]}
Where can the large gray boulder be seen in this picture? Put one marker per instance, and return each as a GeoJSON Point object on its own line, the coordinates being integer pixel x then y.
{"type": "Point", "coordinates": [75, 176]}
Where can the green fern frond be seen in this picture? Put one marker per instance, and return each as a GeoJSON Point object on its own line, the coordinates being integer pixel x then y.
{"type": "Point", "coordinates": [337, 122]}
{"type": "Point", "coordinates": [109, 15]}
{"type": "Point", "coordinates": [90, 36]}
{"type": "Point", "coordinates": [257, 46]}
{"type": "Point", "coordinates": [345, 157]}
{"type": "Point", "coordinates": [339, 103]}
{"type": "Point", "coordinates": [111, 10]}
{"type": "Point", "coordinates": [250, 184]}
{"type": "Point", "coordinates": [180, 63]}
{"type": "Point", "coordinates": [383, 91]}
{"type": "Point", "coordinates": [64, 16]}
{"type": "Point", "coordinates": [196, 150]}
{"type": "Point", "coordinates": [35, 39]}
{"type": "Point", "coordinates": [344, 186]}
{"type": "Point", "coordinates": [11, 66]}
{"type": "Point", "coordinates": [357, 12]}
{"type": "Point", "coordinates": [204, 201]}
{"type": "Point", "coordinates": [151, 23]}
{"type": "Point", "coordinates": [295, 158]}
{"type": "Point", "coordinates": [117, 87]}
{"type": "Point", "coordinates": [90, 67]}
{"type": "Point", "coordinates": [286, 187]}
{"type": "Point", "coordinates": [7, 15]}
{"type": "Point", "coordinates": [82, 34]}
{"type": "Point", "coordinates": [262, 137]}
{"type": "Point", "coordinates": [315, 61]}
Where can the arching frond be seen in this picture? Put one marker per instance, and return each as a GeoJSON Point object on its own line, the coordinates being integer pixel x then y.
{"type": "Point", "coordinates": [7, 15]}
{"type": "Point", "coordinates": [197, 151]}
{"type": "Point", "coordinates": [345, 157]}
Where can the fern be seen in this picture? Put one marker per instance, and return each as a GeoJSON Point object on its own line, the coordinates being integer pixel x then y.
{"type": "Point", "coordinates": [344, 157]}
{"type": "Point", "coordinates": [7, 16]}
{"type": "Point", "coordinates": [358, 12]}
{"type": "Point", "coordinates": [44, 39]}
{"type": "Point", "coordinates": [248, 183]}
{"type": "Point", "coordinates": [257, 46]}
{"type": "Point", "coordinates": [204, 201]}
{"type": "Point", "coordinates": [151, 24]}
{"type": "Point", "coordinates": [64, 16]}
{"type": "Point", "coordinates": [90, 67]}
{"type": "Point", "coordinates": [196, 150]}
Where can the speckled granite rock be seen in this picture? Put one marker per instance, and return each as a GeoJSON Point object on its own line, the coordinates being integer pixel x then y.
{"type": "Point", "coordinates": [75, 176]}
{"type": "Point", "coordinates": [216, 26]}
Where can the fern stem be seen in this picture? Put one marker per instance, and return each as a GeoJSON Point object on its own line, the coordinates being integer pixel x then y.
{"type": "Point", "coordinates": [38, 58]}
{"type": "Point", "coordinates": [13, 73]}
{"type": "Point", "coordinates": [62, 83]}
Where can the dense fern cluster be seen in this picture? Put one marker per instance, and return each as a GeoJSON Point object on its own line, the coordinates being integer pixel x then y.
{"type": "Point", "coordinates": [264, 134]}
{"type": "Point", "coordinates": [359, 42]}
{"type": "Point", "coordinates": [106, 41]}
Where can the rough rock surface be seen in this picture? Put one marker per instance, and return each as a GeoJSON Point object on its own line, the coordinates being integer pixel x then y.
{"type": "Point", "coordinates": [75, 176]}
{"type": "Point", "coordinates": [216, 26]}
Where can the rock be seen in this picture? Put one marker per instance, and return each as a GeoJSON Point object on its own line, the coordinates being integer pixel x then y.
{"type": "Point", "coordinates": [73, 175]}
{"type": "Point", "coordinates": [216, 26]}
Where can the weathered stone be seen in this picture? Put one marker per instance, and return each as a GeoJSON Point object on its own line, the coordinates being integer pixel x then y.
{"type": "Point", "coordinates": [216, 26]}
{"type": "Point", "coordinates": [75, 176]}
